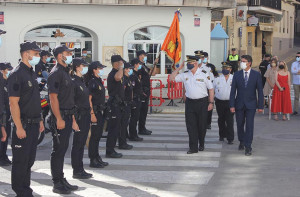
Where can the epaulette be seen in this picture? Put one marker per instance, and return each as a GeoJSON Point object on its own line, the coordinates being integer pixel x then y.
{"type": "Point", "coordinates": [186, 71]}
{"type": "Point", "coordinates": [204, 71]}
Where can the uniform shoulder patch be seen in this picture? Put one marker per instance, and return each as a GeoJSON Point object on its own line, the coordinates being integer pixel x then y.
{"type": "Point", "coordinates": [208, 77]}
{"type": "Point", "coordinates": [204, 71]}
{"type": "Point", "coordinates": [186, 71]}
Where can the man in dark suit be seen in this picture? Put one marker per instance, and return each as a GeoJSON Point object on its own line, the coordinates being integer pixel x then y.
{"type": "Point", "coordinates": [245, 97]}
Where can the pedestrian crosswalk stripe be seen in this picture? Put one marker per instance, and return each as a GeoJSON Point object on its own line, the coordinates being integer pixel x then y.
{"type": "Point", "coordinates": [172, 131]}
{"type": "Point", "coordinates": [179, 139]}
{"type": "Point", "coordinates": [156, 162]}
{"type": "Point", "coordinates": [171, 177]}
{"type": "Point", "coordinates": [172, 123]}
{"type": "Point", "coordinates": [184, 146]}
{"type": "Point", "coordinates": [167, 153]}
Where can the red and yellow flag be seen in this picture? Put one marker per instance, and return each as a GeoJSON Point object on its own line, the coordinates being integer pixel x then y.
{"type": "Point", "coordinates": [172, 43]}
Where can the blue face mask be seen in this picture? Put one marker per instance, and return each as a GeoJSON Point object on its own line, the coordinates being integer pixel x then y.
{"type": "Point", "coordinates": [48, 59]}
{"type": "Point", "coordinates": [84, 54]}
{"type": "Point", "coordinates": [130, 72]}
{"type": "Point", "coordinates": [35, 60]}
{"type": "Point", "coordinates": [199, 61]}
{"type": "Point", "coordinates": [190, 66]}
{"type": "Point", "coordinates": [145, 59]}
{"type": "Point", "coordinates": [140, 67]}
{"type": "Point", "coordinates": [298, 59]}
{"type": "Point", "coordinates": [69, 59]}
{"type": "Point", "coordinates": [101, 72]}
{"type": "Point", "coordinates": [7, 74]}
{"type": "Point", "coordinates": [84, 70]}
{"type": "Point", "coordinates": [225, 72]}
{"type": "Point", "coordinates": [205, 60]}
{"type": "Point", "coordinates": [0, 41]}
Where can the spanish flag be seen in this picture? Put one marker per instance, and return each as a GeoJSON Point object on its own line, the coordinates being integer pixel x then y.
{"type": "Point", "coordinates": [172, 43]}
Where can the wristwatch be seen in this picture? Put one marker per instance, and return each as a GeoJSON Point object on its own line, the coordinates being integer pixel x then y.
{"type": "Point", "coordinates": [211, 102]}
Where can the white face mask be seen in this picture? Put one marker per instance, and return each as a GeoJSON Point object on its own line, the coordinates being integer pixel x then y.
{"type": "Point", "coordinates": [243, 65]}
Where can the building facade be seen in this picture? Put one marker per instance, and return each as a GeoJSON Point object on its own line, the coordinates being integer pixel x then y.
{"type": "Point", "coordinates": [257, 27]}
{"type": "Point", "coordinates": [106, 27]}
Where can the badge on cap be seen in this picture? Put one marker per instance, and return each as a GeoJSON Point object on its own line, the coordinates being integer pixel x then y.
{"type": "Point", "coordinates": [29, 84]}
{"type": "Point", "coordinates": [39, 73]}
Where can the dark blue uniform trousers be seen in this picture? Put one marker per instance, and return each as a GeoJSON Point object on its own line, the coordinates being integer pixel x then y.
{"type": "Point", "coordinates": [96, 134]}
{"type": "Point", "coordinates": [24, 152]}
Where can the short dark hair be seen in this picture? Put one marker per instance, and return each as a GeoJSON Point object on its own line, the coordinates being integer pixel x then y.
{"type": "Point", "coordinates": [298, 53]}
{"type": "Point", "coordinates": [84, 49]}
{"type": "Point", "coordinates": [248, 58]}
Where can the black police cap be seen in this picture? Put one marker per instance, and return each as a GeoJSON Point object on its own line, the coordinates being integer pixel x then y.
{"type": "Point", "coordinates": [79, 61]}
{"type": "Point", "coordinates": [205, 54]}
{"type": "Point", "coordinates": [45, 53]}
{"type": "Point", "coordinates": [141, 52]}
{"type": "Point", "coordinates": [116, 58]}
{"type": "Point", "coordinates": [26, 46]}
{"type": "Point", "coordinates": [191, 58]}
{"type": "Point", "coordinates": [5, 65]}
{"type": "Point", "coordinates": [60, 49]}
{"type": "Point", "coordinates": [135, 61]}
{"type": "Point", "coordinates": [127, 65]}
{"type": "Point", "coordinates": [2, 32]}
{"type": "Point", "coordinates": [95, 65]}
{"type": "Point", "coordinates": [233, 49]}
{"type": "Point", "coordinates": [226, 64]}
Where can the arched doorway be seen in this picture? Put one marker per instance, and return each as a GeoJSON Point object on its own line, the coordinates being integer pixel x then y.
{"type": "Point", "coordinates": [49, 36]}
{"type": "Point", "coordinates": [150, 39]}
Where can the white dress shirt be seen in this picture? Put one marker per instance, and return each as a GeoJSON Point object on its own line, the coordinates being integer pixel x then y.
{"type": "Point", "coordinates": [223, 87]}
{"type": "Point", "coordinates": [295, 69]}
{"type": "Point", "coordinates": [196, 85]}
{"type": "Point", "coordinates": [248, 73]}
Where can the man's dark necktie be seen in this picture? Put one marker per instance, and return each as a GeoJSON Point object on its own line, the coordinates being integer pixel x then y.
{"type": "Point", "coordinates": [246, 79]}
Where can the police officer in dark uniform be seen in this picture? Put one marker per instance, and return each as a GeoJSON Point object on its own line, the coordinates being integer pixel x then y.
{"type": "Point", "coordinates": [146, 74]}
{"type": "Point", "coordinates": [97, 103]}
{"type": "Point", "coordinates": [41, 67]}
{"type": "Point", "coordinates": [82, 116]}
{"type": "Point", "coordinates": [61, 94]}
{"type": "Point", "coordinates": [136, 103]}
{"type": "Point", "coordinates": [25, 105]}
{"type": "Point", "coordinates": [116, 93]}
{"type": "Point", "coordinates": [128, 96]}
{"type": "Point", "coordinates": [3, 135]}
{"type": "Point", "coordinates": [4, 160]}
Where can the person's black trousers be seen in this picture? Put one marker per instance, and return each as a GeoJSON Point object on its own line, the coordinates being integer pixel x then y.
{"type": "Point", "coordinates": [114, 127]}
{"type": "Point", "coordinates": [3, 145]}
{"type": "Point", "coordinates": [209, 117]}
{"type": "Point", "coordinates": [96, 134]}
{"type": "Point", "coordinates": [59, 150]}
{"type": "Point", "coordinates": [225, 119]}
{"type": "Point", "coordinates": [143, 114]}
{"type": "Point", "coordinates": [134, 118]}
{"type": "Point", "coordinates": [79, 140]}
{"type": "Point", "coordinates": [196, 118]}
{"type": "Point", "coordinates": [124, 124]}
{"type": "Point", "coordinates": [24, 152]}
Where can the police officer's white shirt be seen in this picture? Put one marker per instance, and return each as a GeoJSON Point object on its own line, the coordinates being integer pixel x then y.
{"type": "Point", "coordinates": [196, 85]}
{"type": "Point", "coordinates": [295, 69]}
{"type": "Point", "coordinates": [209, 71]}
{"type": "Point", "coordinates": [223, 87]}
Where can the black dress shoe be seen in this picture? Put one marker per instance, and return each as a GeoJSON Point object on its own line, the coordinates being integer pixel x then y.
{"type": "Point", "coordinates": [230, 142]}
{"type": "Point", "coordinates": [208, 126]}
{"type": "Point", "coordinates": [126, 147]}
{"type": "Point", "coordinates": [60, 188]}
{"type": "Point", "coordinates": [4, 163]}
{"type": "Point", "coordinates": [201, 148]}
{"type": "Point", "coordinates": [136, 139]}
{"type": "Point", "coordinates": [68, 185]}
{"type": "Point", "coordinates": [144, 132]}
{"type": "Point", "coordinates": [101, 161]}
{"type": "Point", "coordinates": [114, 155]}
{"type": "Point", "coordinates": [192, 152]}
{"type": "Point", "coordinates": [149, 131]}
{"type": "Point", "coordinates": [248, 151]}
{"type": "Point", "coordinates": [221, 139]}
{"type": "Point", "coordinates": [241, 147]}
{"type": "Point", "coordinates": [82, 175]}
{"type": "Point", "coordinates": [96, 164]}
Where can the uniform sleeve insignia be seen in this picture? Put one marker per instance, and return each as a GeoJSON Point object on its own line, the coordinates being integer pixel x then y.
{"type": "Point", "coordinates": [29, 84]}
{"type": "Point", "coordinates": [204, 71]}
{"type": "Point", "coordinates": [208, 77]}
{"type": "Point", "coordinates": [200, 80]}
{"type": "Point", "coordinates": [186, 79]}
{"type": "Point", "coordinates": [211, 71]}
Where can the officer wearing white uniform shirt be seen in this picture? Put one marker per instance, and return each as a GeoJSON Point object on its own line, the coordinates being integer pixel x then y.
{"type": "Point", "coordinates": [222, 86]}
{"type": "Point", "coordinates": [197, 102]}
{"type": "Point", "coordinates": [296, 82]}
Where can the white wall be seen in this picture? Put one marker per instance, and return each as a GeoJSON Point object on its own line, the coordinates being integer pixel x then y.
{"type": "Point", "coordinates": [109, 25]}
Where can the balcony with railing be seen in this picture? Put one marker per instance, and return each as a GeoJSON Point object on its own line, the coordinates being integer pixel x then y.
{"type": "Point", "coordinates": [272, 7]}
